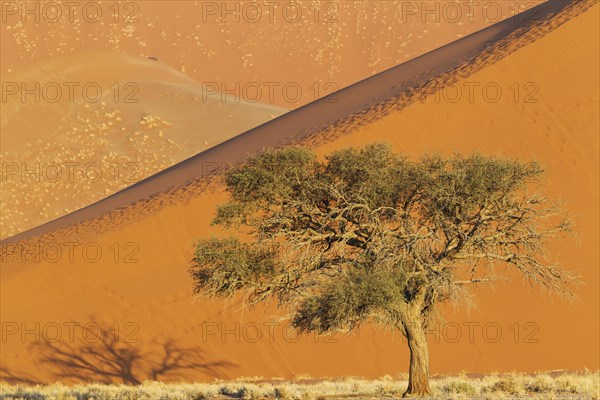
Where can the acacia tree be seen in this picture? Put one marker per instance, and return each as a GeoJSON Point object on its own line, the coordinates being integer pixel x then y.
{"type": "Point", "coordinates": [367, 235]}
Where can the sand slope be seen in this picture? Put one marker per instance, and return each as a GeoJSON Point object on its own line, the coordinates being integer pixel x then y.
{"type": "Point", "coordinates": [320, 46]}
{"type": "Point", "coordinates": [343, 111]}
{"type": "Point", "coordinates": [146, 282]}
{"type": "Point", "coordinates": [79, 127]}
{"type": "Point", "coordinates": [558, 126]}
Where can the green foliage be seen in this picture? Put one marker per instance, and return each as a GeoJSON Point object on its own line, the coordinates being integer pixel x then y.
{"type": "Point", "coordinates": [272, 176]}
{"type": "Point", "coordinates": [369, 234]}
{"type": "Point", "coordinates": [224, 266]}
{"type": "Point", "coordinates": [457, 187]}
{"type": "Point", "coordinates": [351, 298]}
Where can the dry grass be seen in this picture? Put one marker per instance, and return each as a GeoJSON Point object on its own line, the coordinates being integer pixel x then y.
{"type": "Point", "coordinates": [572, 386]}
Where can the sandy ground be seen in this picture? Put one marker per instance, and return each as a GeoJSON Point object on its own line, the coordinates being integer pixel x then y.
{"type": "Point", "coordinates": [317, 47]}
{"type": "Point", "coordinates": [251, 50]}
{"type": "Point", "coordinates": [222, 47]}
{"type": "Point", "coordinates": [336, 114]}
{"type": "Point", "coordinates": [131, 279]}
{"type": "Point", "coordinates": [100, 121]}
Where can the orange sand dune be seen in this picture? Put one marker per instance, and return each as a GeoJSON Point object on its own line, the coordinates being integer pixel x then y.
{"type": "Point", "coordinates": [81, 126]}
{"type": "Point", "coordinates": [556, 122]}
{"type": "Point", "coordinates": [138, 289]}
{"type": "Point", "coordinates": [317, 47]}
{"type": "Point", "coordinates": [335, 114]}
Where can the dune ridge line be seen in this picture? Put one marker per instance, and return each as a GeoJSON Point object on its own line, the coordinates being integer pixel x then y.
{"type": "Point", "coordinates": [315, 123]}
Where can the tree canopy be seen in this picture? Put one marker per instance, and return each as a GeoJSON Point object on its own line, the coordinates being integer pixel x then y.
{"type": "Point", "coordinates": [366, 234]}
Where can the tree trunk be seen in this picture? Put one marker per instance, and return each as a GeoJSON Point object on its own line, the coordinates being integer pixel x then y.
{"type": "Point", "coordinates": [418, 376]}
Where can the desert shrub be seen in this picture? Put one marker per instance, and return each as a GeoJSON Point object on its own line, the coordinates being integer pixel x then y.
{"type": "Point", "coordinates": [460, 387]}
{"type": "Point", "coordinates": [588, 384]}
{"type": "Point", "coordinates": [540, 384]}
{"type": "Point", "coordinates": [492, 387]}
{"type": "Point", "coordinates": [287, 392]}
{"type": "Point", "coordinates": [508, 384]}
{"type": "Point", "coordinates": [22, 394]}
{"type": "Point", "coordinates": [248, 393]}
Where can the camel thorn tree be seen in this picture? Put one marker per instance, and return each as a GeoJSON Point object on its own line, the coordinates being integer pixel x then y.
{"type": "Point", "coordinates": [368, 235]}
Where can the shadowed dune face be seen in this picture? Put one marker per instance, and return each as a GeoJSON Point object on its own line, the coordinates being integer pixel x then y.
{"type": "Point", "coordinates": [136, 275]}
{"type": "Point", "coordinates": [314, 47]}
{"type": "Point", "coordinates": [71, 152]}
{"type": "Point", "coordinates": [99, 122]}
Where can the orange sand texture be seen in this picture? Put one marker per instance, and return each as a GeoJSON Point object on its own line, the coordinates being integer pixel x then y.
{"type": "Point", "coordinates": [139, 292]}
{"type": "Point", "coordinates": [275, 55]}
{"type": "Point", "coordinates": [281, 41]}
{"type": "Point", "coordinates": [78, 150]}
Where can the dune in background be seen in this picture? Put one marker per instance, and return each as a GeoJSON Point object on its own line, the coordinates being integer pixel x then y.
{"type": "Point", "coordinates": [331, 116]}
{"type": "Point", "coordinates": [100, 121]}
{"type": "Point", "coordinates": [316, 47]}
{"type": "Point", "coordinates": [251, 50]}
{"type": "Point", "coordinates": [140, 288]}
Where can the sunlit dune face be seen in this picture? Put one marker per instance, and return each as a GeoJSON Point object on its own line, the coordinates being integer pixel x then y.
{"type": "Point", "coordinates": [140, 284]}
{"type": "Point", "coordinates": [80, 127]}
{"type": "Point", "coordinates": [178, 78]}
{"type": "Point", "coordinates": [191, 74]}
{"type": "Point", "coordinates": [295, 51]}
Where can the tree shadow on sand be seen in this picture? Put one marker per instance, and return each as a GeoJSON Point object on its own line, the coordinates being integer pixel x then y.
{"type": "Point", "coordinates": [106, 360]}
{"type": "Point", "coordinates": [13, 378]}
